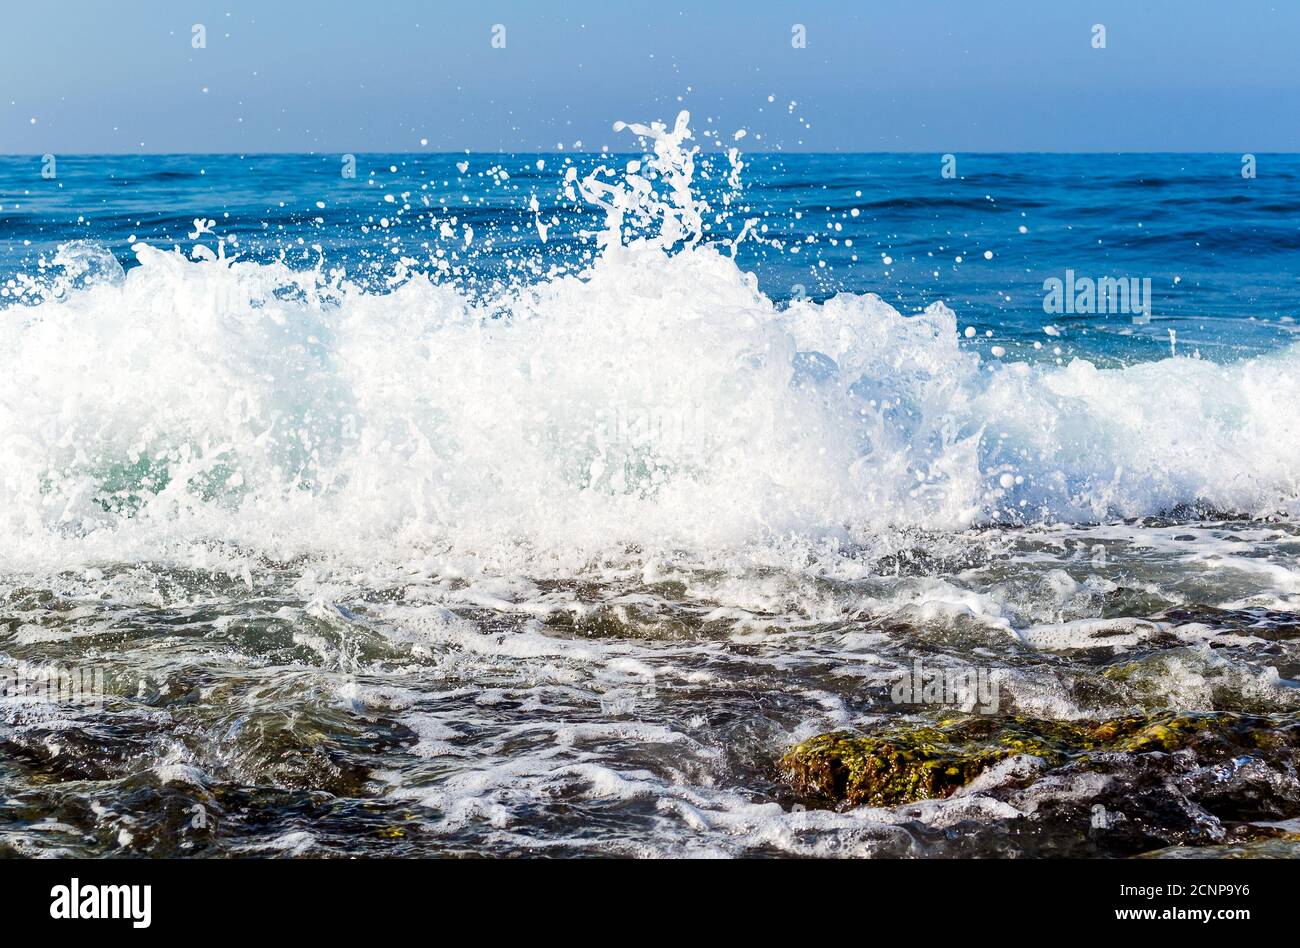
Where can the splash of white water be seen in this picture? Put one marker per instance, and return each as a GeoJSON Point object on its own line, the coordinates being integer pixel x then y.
{"type": "Point", "coordinates": [658, 402]}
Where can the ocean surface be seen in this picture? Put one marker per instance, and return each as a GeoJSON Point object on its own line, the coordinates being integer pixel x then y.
{"type": "Point", "coordinates": [542, 504]}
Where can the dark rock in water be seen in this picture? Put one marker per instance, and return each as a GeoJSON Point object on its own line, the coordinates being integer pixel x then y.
{"type": "Point", "coordinates": [903, 764]}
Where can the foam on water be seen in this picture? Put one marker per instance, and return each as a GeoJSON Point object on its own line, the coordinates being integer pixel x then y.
{"type": "Point", "coordinates": [657, 402]}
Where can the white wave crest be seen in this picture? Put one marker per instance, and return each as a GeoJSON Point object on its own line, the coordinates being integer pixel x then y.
{"type": "Point", "coordinates": [658, 401]}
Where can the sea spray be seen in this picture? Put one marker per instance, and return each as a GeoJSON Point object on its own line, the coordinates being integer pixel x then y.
{"type": "Point", "coordinates": [224, 400]}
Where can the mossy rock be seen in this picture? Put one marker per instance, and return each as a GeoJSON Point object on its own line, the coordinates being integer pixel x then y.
{"type": "Point", "coordinates": [903, 764]}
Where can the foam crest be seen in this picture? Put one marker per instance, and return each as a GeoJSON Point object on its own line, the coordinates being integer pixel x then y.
{"type": "Point", "coordinates": [657, 402]}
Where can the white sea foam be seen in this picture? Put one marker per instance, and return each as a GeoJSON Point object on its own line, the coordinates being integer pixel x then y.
{"type": "Point", "coordinates": [657, 402]}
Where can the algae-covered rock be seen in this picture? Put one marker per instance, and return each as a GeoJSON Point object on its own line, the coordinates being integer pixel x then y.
{"type": "Point", "coordinates": [903, 764]}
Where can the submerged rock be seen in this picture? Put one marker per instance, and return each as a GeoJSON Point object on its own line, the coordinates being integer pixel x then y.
{"type": "Point", "coordinates": [904, 764]}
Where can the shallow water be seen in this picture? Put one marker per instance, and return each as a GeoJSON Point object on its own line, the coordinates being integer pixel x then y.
{"type": "Point", "coordinates": [439, 537]}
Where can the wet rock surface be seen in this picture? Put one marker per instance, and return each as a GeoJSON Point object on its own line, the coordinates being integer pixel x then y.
{"type": "Point", "coordinates": [1114, 787]}
{"type": "Point", "coordinates": [1146, 702]}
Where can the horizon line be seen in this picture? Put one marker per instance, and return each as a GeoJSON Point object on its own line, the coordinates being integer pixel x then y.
{"type": "Point", "coordinates": [587, 152]}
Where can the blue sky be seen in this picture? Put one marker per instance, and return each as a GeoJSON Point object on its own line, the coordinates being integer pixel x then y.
{"type": "Point", "coordinates": [920, 75]}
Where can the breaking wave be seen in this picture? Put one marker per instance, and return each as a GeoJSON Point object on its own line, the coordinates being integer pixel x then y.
{"type": "Point", "coordinates": [655, 402]}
